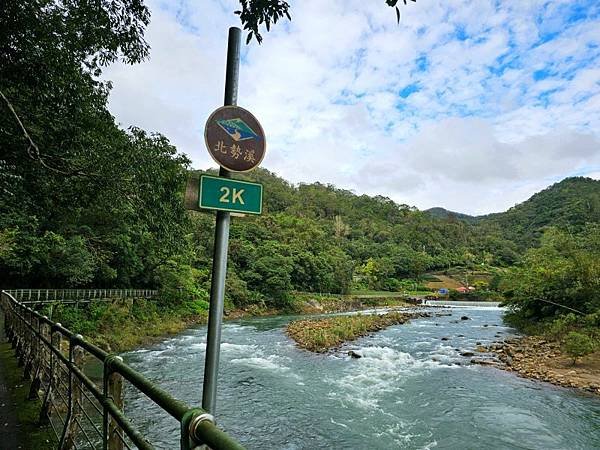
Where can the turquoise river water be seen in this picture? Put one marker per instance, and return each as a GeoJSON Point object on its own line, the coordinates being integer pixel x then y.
{"type": "Point", "coordinates": [410, 390]}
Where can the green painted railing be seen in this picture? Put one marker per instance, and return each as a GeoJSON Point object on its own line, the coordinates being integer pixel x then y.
{"type": "Point", "coordinates": [83, 414]}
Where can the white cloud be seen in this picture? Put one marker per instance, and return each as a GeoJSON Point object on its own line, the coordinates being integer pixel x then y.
{"type": "Point", "coordinates": [478, 134]}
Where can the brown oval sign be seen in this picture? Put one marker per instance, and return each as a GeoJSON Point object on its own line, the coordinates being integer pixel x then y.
{"type": "Point", "coordinates": [235, 139]}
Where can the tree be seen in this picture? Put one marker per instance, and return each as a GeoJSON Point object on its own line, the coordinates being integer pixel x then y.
{"type": "Point", "coordinates": [82, 200]}
{"type": "Point", "coordinates": [561, 276]}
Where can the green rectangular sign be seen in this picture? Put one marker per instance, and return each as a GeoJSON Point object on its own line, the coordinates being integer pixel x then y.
{"type": "Point", "coordinates": [225, 194]}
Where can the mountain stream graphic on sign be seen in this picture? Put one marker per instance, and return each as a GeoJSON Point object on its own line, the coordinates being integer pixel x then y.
{"type": "Point", "coordinates": [237, 129]}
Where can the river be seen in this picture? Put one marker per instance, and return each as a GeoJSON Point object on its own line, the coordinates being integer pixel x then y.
{"type": "Point", "coordinates": [409, 390]}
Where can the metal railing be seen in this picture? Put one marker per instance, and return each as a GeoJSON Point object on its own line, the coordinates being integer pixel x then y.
{"type": "Point", "coordinates": [70, 296]}
{"type": "Point", "coordinates": [83, 414]}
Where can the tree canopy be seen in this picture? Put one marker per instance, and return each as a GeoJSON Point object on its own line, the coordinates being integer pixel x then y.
{"type": "Point", "coordinates": [82, 200]}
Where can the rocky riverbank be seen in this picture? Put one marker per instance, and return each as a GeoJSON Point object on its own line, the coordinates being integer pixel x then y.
{"type": "Point", "coordinates": [537, 358]}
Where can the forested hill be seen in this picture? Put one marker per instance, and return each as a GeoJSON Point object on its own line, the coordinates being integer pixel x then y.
{"type": "Point", "coordinates": [569, 204]}
{"type": "Point", "coordinates": [442, 213]}
{"type": "Point", "coordinates": [316, 237]}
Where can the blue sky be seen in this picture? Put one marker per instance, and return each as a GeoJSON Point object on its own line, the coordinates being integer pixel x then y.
{"type": "Point", "coordinates": [472, 106]}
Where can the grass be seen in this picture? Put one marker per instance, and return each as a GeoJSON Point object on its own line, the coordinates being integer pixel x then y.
{"type": "Point", "coordinates": [322, 335]}
{"type": "Point", "coordinates": [307, 303]}
{"type": "Point", "coordinates": [124, 325]}
{"type": "Point", "coordinates": [372, 293]}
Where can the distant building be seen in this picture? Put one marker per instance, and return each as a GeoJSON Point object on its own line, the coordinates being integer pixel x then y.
{"type": "Point", "coordinates": [462, 289]}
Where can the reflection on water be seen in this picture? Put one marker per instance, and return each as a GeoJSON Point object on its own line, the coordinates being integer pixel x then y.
{"type": "Point", "coordinates": [411, 389]}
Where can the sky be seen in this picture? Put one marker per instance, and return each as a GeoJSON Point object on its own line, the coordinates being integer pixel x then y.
{"type": "Point", "coordinates": [468, 105]}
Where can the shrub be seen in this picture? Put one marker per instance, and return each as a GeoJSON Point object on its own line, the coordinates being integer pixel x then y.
{"type": "Point", "coordinates": [179, 284]}
{"type": "Point", "coordinates": [577, 345]}
{"type": "Point", "coordinates": [197, 307]}
{"type": "Point", "coordinates": [563, 325]}
{"type": "Point", "coordinates": [392, 285]}
{"type": "Point", "coordinates": [593, 320]}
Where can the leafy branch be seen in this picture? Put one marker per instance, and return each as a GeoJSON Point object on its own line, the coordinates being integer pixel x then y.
{"type": "Point", "coordinates": [255, 13]}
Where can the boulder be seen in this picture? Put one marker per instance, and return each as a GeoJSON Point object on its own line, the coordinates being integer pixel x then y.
{"type": "Point", "coordinates": [485, 362]}
{"type": "Point", "coordinates": [464, 318]}
{"type": "Point", "coordinates": [354, 355]}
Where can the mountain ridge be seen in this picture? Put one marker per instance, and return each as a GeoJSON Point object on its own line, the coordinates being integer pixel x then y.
{"type": "Point", "coordinates": [570, 191]}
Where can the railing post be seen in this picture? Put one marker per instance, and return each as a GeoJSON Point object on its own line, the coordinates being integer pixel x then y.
{"type": "Point", "coordinates": [46, 411]}
{"type": "Point", "coordinates": [67, 441]}
{"type": "Point", "coordinates": [32, 348]}
{"type": "Point", "coordinates": [20, 347]}
{"type": "Point", "coordinates": [42, 360]}
{"type": "Point", "coordinates": [113, 389]}
{"type": "Point", "coordinates": [29, 355]}
{"type": "Point", "coordinates": [14, 333]}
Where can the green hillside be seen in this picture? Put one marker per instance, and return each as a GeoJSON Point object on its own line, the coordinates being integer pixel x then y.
{"type": "Point", "coordinates": [569, 204]}
{"type": "Point", "coordinates": [318, 238]}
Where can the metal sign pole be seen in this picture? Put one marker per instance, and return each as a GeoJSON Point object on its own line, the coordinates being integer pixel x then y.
{"type": "Point", "coordinates": [219, 269]}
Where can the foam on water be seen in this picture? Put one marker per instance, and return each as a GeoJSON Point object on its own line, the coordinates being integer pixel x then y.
{"type": "Point", "coordinates": [138, 351]}
{"type": "Point", "coordinates": [162, 352]}
{"type": "Point", "coordinates": [380, 371]}
{"type": "Point", "coordinates": [235, 328]}
{"type": "Point", "coordinates": [198, 345]}
{"type": "Point", "coordinates": [237, 348]}
{"type": "Point", "coordinates": [338, 423]}
{"type": "Point", "coordinates": [269, 363]}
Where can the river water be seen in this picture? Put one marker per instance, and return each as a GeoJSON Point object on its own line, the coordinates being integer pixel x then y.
{"type": "Point", "coordinates": [409, 390]}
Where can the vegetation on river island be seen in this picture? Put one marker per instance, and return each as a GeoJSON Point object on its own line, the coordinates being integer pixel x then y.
{"type": "Point", "coordinates": [321, 335]}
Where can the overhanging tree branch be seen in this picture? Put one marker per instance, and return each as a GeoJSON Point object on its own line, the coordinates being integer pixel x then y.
{"type": "Point", "coordinates": [254, 13]}
{"type": "Point", "coordinates": [32, 149]}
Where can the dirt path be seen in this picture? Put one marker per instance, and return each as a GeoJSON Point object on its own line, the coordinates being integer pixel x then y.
{"type": "Point", "coordinates": [8, 413]}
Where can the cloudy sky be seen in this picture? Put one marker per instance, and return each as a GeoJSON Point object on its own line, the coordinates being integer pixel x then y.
{"type": "Point", "coordinates": [469, 105]}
